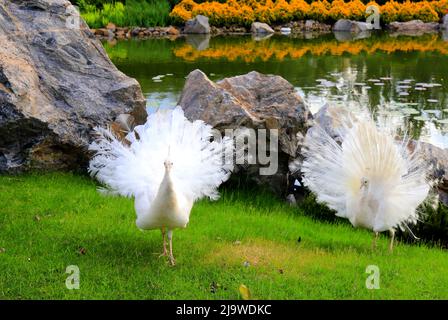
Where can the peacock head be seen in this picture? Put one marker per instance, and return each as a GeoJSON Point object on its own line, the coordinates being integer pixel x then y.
{"type": "Point", "coordinates": [364, 182]}
{"type": "Point", "coordinates": [168, 165]}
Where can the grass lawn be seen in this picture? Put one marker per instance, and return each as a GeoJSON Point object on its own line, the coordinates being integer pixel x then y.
{"type": "Point", "coordinates": [50, 221]}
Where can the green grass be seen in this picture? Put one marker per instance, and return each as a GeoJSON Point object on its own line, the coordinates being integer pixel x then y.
{"type": "Point", "coordinates": [45, 219]}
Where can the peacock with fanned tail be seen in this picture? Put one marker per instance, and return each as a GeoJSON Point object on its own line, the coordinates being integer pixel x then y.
{"type": "Point", "coordinates": [372, 179]}
{"type": "Point", "coordinates": [166, 165]}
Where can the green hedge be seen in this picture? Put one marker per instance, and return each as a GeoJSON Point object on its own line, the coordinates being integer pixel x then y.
{"type": "Point", "coordinates": [99, 3]}
{"type": "Point", "coordinates": [142, 13]}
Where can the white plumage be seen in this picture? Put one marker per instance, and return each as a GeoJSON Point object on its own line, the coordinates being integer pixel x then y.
{"type": "Point", "coordinates": [169, 163]}
{"type": "Point", "coordinates": [372, 179]}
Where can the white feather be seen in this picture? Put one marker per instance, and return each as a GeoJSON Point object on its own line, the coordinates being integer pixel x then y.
{"type": "Point", "coordinates": [163, 198]}
{"type": "Point", "coordinates": [395, 177]}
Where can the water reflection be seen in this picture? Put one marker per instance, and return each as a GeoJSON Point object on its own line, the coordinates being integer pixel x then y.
{"type": "Point", "coordinates": [403, 75]}
{"type": "Point", "coordinates": [445, 35]}
{"type": "Point", "coordinates": [261, 37]}
{"type": "Point", "coordinates": [199, 41]}
{"type": "Point", "coordinates": [348, 36]}
{"type": "Point", "coordinates": [436, 136]}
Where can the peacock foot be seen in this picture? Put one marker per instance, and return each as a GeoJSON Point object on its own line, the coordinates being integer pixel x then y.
{"type": "Point", "coordinates": [375, 240]}
{"type": "Point", "coordinates": [163, 254]}
{"type": "Point", "coordinates": [172, 261]}
{"type": "Point", "coordinates": [391, 248]}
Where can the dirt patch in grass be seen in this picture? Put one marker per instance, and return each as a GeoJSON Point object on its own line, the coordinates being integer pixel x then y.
{"type": "Point", "coordinates": [268, 255]}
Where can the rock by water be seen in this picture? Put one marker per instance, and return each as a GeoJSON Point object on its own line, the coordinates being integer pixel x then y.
{"type": "Point", "coordinates": [56, 84]}
{"type": "Point", "coordinates": [197, 25]}
{"type": "Point", "coordinates": [255, 101]}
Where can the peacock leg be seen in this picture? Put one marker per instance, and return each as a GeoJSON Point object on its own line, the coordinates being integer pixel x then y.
{"type": "Point", "coordinates": [170, 238]}
{"type": "Point", "coordinates": [375, 239]}
{"type": "Point", "coordinates": [392, 237]}
{"type": "Point", "coordinates": [164, 253]}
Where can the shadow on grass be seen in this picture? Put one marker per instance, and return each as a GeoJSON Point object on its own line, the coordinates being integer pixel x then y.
{"type": "Point", "coordinates": [111, 248]}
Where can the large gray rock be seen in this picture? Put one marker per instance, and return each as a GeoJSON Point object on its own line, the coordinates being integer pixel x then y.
{"type": "Point", "coordinates": [56, 84]}
{"type": "Point", "coordinates": [413, 27]}
{"type": "Point", "coordinates": [198, 24]}
{"type": "Point", "coordinates": [254, 101]}
{"type": "Point", "coordinates": [261, 28]}
{"type": "Point", "coordinates": [331, 118]}
{"type": "Point", "coordinates": [437, 160]}
{"type": "Point", "coordinates": [344, 25]}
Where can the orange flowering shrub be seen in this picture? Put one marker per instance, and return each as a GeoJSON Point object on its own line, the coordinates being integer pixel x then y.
{"type": "Point", "coordinates": [425, 12]}
{"type": "Point", "coordinates": [318, 11]}
{"type": "Point", "coordinates": [183, 11]}
{"type": "Point", "coordinates": [244, 12]}
{"type": "Point", "coordinates": [390, 12]}
{"type": "Point", "coordinates": [357, 10]}
{"type": "Point", "coordinates": [299, 9]}
{"type": "Point", "coordinates": [338, 10]}
{"type": "Point", "coordinates": [246, 15]}
{"type": "Point", "coordinates": [326, 4]}
{"type": "Point", "coordinates": [216, 12]}
{"type": "Point", "coordinates": [406, 11]}
{"type": "Point", "coordinates": [353, 10]}
{"type": "Point", "coordinates": [441, 7]}
{"type": "Point", "coordinates": [281, 11]}
{"type": "Point", "coordinates": [264, 12]}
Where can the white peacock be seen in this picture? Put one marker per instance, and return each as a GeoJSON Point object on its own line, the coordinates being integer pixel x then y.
{"type": "Point", "coordinates": [169, 163]}
{"type": "Point", "coordinates": [371, 178]}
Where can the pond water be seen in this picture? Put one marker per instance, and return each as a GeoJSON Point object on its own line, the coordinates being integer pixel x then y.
{"type": "Point", "coordinates": [406, 76]}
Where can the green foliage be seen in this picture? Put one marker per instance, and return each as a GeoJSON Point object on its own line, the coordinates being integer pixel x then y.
{"type": "Point", "coordinates": [434, 225]}
{"type": "Point", "coordinates": [317, 211]}
{"type": "Point", "coordinates": [93, 3]}
{"type": "Point", "coordinates": [148, 14]}
{"type": "Point", "coordinates": [93, 19]}
{"type": "Point", "coordinates": [114, 13]}
{"type": "Point", "coordinates": [140, 13]}
{"type": "Point", "coordinates": [99, 3]}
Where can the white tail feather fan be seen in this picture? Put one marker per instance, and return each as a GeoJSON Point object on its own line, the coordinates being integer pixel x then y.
{"type": "Point", "coordinates": [372, 179]}
{"type": "Point", "coordinates": [170, 163]}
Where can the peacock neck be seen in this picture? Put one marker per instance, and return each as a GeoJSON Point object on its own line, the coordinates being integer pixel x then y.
{"type": "Point", "coordinates": [167, 183]}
